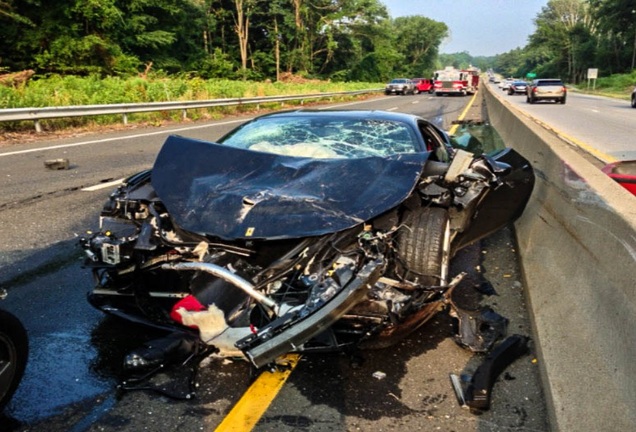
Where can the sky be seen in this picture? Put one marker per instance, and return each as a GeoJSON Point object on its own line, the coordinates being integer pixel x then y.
{"type": "Point", "coordinates": [480, 27]}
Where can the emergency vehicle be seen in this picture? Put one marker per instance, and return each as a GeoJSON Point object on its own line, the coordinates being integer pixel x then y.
{"type": "Point", "coordinates": [455, 81]}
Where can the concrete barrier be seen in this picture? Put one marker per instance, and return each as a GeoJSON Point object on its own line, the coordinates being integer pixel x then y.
{"type": "Point", "coordinates": [577, 242]}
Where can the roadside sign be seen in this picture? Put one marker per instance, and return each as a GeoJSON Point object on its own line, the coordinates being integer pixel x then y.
{"type": "Point", "coordinates": [592, 74]}
{"type": "Point", "coordinates": [531, 75]}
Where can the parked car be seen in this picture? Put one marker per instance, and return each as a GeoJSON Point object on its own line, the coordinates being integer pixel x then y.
{"type": "Point", "coordinates": [401, 86]}
{"type": "Point", "coordinates": [14, 352]}
{"type": "Point", "coordinates": [517, 87]}
{"type": "Point", "coordinates": [423, 85]}
{"type": "Point", "coordinates": [301, 231]}
{"type": "Point", "coordinates": [546, 89]}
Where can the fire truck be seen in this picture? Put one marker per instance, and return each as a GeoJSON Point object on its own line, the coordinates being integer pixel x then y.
{"type": "Point", "coordinates": [455, 81]}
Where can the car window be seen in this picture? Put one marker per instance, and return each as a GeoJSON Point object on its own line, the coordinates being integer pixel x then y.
{"type": "Point", "coordinates": [325, 137]}
{"type": "Point", "coordinates": [436, 141]}
{"type": "Point", "coordinates": [549, 83]}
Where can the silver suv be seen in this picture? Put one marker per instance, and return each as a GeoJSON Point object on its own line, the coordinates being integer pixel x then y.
{"type": "Point", "coordinates": [400, 86]}
{"type": "Point", "coordinates": [546, 89]}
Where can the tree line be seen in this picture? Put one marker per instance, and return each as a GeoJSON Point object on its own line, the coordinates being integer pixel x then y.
{"type": "Point", "coordinates": [353, 40]}
{"type": "Point", "coordinates": [339, 40]}
{"type": "Point", "coordinates": [572, 36]}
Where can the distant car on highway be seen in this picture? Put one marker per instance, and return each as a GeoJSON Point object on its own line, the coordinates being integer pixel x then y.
{"type": "Point", "coordinates": [503, 85]}
{"type": "Point", "coordinates": [400, 86]}
{"type": "Point", "coordinates": [517, 87]}
{"type": "Point", "coordinates": [423, 85]}
{"type": "Point", "coordinates": [546, 89]}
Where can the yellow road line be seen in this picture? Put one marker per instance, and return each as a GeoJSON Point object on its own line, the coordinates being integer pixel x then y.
{"type": "Point", "coordinates": [453, 129]}
{"type": "Point", "coordinates": [253, 404]}
{"type": "Point", "coordinates": [603, 157]}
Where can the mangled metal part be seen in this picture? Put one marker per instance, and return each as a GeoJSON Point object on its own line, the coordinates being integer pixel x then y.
{"type": "Point", "coordinates": [476, 393]}
{"type": "Point", "coordinates": [228, 276]}
{"type": "Point", "coordinates": [289, 332]}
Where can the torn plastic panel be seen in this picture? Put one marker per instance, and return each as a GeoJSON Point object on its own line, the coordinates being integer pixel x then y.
{"type": "Point", "coordinates": [476, 393]}
{"type": "Point", "coordinates": [478, 330]}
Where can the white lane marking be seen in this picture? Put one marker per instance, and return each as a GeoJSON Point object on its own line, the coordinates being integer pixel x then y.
{"type": "Point", "coordinates": [415, 102]}
{"type": "Point", "coordinates": [104, 185]}
{"type": "Point", "coordinates": [393, 109]}
{"type": "Point", "coordinates": [147, 134]}
{"type": "Point", "coordinates": [119, 138]}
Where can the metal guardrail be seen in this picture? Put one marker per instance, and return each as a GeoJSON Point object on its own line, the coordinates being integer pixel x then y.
{"type": "Point", "coordinates": [37, 114]}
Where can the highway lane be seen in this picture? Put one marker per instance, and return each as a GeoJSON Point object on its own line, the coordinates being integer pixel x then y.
{"type": "Point", "coordinates": [72, 376]}
{"type": "Point", "coordinates": [601, 125]}
{"type": "Point", "coordinates": [29, 188]}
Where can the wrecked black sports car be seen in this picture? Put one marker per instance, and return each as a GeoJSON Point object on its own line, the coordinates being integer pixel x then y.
{"type": "Point", "coordinates": [300, 231]}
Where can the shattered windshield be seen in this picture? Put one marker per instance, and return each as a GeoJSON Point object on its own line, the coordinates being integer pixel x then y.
{"type": "Point", "coordinates": [325, 138]}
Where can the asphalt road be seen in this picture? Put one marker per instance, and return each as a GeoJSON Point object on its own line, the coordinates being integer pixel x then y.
{"type": "Point", "coordinates": [603, 125]}
{"type": "Point", "coordinates": [71, 382]}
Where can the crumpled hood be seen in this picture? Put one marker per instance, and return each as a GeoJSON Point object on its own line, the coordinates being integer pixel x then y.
{"type": "Point", "coordinates": [233, 193]}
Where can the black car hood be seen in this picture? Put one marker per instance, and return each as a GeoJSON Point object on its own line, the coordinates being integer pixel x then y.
{"type": "Point", "coordinates": [232, 193]}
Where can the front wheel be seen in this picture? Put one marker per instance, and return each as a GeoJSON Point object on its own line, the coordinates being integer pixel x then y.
{"type": "Point", "coordinates": [424, 245]}
{"type": "Point", "coordinates": [14, 351]}
{"type": "Point", "coordinates": [633, 101]}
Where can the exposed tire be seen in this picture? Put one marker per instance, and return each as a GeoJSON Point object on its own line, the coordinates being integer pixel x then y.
{"type": "Point", "coordinates": [424, 245]}
{"type": "Point", "coordinates": [633, 102]}
{"type": "Point", "coordinates": [562, 101]}
{"type": "Point", "coordinates": [14, 351]}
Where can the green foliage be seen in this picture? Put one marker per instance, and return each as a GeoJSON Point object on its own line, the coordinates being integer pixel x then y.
{"type": "Point", "coordinates": [319, 38]}
{"type": "Point", "coordinates": [87, 55]}
{"type": "Point", "coordinates": [340, 40]}
{"type": "Point", "coordinates": [216, 65]}
{"type": "Point", "coordinates": [418, 40]}
{"type": "Point", "coordinates": [59, 90]}
{"type": "Point", "coordinates": [622, 83]}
